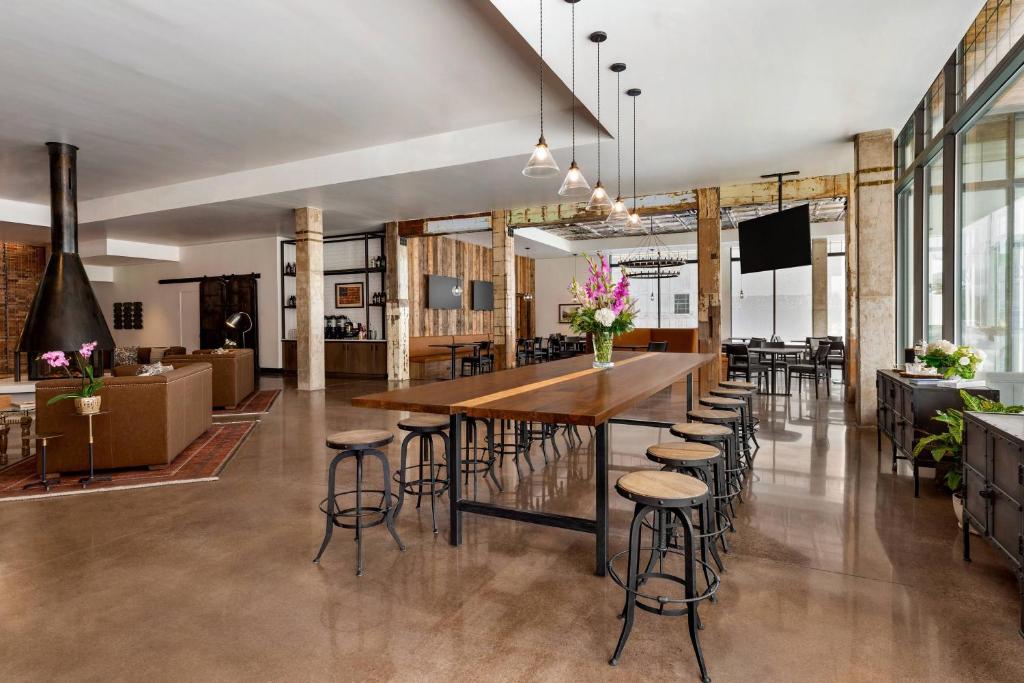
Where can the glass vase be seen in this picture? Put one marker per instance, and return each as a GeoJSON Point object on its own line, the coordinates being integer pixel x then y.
{"type": "Point", "coordinates": [603, 349]}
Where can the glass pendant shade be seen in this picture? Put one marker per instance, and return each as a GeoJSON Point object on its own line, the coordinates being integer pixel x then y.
{"type": "Point", "coordinates": [633, 221]}
{"type": "Point", "coordinates": [599, 199]}
{"type": "Point", "coordinates": [574, 185]}
{"type": "Point", "coordinates": [619, 214]}
{"type": "Point", "coordinates": [542, 162]}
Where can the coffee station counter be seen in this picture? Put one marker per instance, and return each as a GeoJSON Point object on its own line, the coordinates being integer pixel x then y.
{"type": "Point", "coordinates": [343, 357]}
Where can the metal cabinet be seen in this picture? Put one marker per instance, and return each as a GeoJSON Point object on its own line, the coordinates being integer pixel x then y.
{"type": "Point", "coordinates": [993, 465]}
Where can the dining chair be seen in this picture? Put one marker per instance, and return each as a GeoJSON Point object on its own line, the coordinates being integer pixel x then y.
{"type": "Point", "coordinates": [816, 369]}
{"type": "Point", "coordinates": [657, 346]}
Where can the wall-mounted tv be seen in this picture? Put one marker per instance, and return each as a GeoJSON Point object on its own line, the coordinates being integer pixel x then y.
{"type": "Point", "coordinates": [483, 295]}
{"type": "Point", "coordinates": [776, 241]}
{"type": "Point", "coordinates": [439, 292]}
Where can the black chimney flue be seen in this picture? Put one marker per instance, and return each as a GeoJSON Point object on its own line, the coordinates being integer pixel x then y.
{"type": "Point", "coordinates": [64, 313]}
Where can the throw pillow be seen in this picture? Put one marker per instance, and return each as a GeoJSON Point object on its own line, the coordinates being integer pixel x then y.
{"type": "Point", "coordinates": [154, 369]}
{"type": "Point", "coordinates": [126, 355]}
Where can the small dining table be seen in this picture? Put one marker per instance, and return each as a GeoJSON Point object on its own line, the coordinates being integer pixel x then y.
{"type": "Point", "coordinates": [773, 353]}
{"type": "Point", "coordinates": [569, 391]}
{"type": "Point", "coordinates": [454, 348]}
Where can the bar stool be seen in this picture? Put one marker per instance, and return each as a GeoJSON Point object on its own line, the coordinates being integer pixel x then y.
{"type": "Point", "coordinates": [705, 462]}
{"type": "Point", "coordinates": [719, 436]}
{"type": "Point", "coordinates": [358, 443]}
{"type": "Point", "coordinates": [740, 406]}
{"type": "Point", "coordinates": [663, 494]}
{"type": "Point", "coordinates": [477, 458]}
{"type": "Point", "coordinates": [745, 394]}
{"type": "Point", "coordinates": [431, 483]}
{"type": "Point", "coordinates": [731, 419]}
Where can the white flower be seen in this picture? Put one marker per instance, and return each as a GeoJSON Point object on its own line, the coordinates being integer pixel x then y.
{"type": "Point", "coordinates": [604, 316]}
{"type": "Point", "coordinates": [965, 360]}
{"type": "Point", "coordinates": [947, 347]}
{"type": "Point", "coordinates": [979, 354]}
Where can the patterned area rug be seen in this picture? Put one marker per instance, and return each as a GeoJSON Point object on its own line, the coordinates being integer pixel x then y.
{"type": "Point", "coordinates": [257, 403]}
{"type": "Point", "coordinates": [203, 460]}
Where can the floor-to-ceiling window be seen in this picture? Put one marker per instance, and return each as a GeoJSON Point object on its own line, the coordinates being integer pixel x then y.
{"type": "Point", "coordinates": [755, 314]}
{"type": "Point", "coordinates": [677, 297]}
{"type": "Point", "coordinates": [837, 287]}
{"type": "Point", "coordinates": [932, 284]}
{"type": "Point", "coordinates": [905, 267]}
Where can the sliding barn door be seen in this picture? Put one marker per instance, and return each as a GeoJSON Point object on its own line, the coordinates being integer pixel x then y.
{"type": "Point", "coordinates": [219, 298]}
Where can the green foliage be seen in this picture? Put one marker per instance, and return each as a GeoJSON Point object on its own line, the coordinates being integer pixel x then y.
{"type": "Point", "coordinates": [950, 442]}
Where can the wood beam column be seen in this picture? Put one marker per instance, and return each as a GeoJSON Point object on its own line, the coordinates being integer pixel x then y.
{"type": "Point", "coordinates": [309, 297]}
{"type": "Point", "coordinates": [709, 283]}
{"type": "Point", "coordinates": [396, 308]}
{"type": "Point", "coordinates": [503, 274]}
{"type": "Point", "coordinates": [875, 255]}
{"type": "Point", "coordinates": [819, 287]}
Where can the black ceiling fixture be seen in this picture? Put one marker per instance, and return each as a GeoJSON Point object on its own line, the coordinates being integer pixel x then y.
{"type": "Point", "coordinates": [64, 313]}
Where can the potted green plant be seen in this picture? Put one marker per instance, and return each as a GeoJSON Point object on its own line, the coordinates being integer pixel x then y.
{"type": "Point", "coordinates": [605, 308]}
{"type": "Point", "coordinates": [86, 400]}
{"type": "Point", "coordinates": [949, 444]}
{"type": "Point", "coordinates": [952, 360]}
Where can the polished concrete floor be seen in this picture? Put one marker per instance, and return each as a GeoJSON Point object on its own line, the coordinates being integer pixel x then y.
{"type": "Point", "coordinates": [836, 573]}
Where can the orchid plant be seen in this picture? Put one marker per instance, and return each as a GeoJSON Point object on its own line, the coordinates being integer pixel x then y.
{"type": "Point", "coordinates": [90, 383]}
{"type": "Point", "coordinates": [950, 359]}
{"type": "Point", "coordinates": [605, 307]}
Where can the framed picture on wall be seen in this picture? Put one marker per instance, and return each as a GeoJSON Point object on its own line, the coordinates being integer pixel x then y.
{"type": "Point", "coordinates": [348, 295]}
{"type": "Point", "coordinates": [565, 312]}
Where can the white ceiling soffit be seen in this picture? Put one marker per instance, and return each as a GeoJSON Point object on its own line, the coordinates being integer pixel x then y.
{"type": "Point", "coordinates": [113, 252]}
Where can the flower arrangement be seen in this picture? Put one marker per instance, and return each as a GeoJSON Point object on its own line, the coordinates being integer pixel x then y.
{"type": "Point", "coordinates": [950, 359]}
{"type": "Point", "coordinates": [85, 398]}
{"type": "Point", "coordinates": [605, 308]}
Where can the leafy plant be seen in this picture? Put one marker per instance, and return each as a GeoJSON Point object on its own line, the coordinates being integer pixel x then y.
{"type": "Point", "coordinates": [90, 383]}
{"type": "Point", "coordinates": [950, 359]}
{"type": "Point", "coordinates": [950, 442]}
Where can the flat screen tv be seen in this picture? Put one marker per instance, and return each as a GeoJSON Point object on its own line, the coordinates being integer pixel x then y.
{"type": "Point", "coordinates": [439, 292]}
{"type": "Point", "coordinates": [776, 241]}
{"type": "Point", "coordinates": [483, 295]}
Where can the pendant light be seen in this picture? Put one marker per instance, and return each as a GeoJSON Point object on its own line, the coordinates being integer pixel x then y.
{"type": "Point", "coordinates": [599, 199]}
{"type": "Point", "coordinates": [619, 214]}
{"type": "Point", "coordinates": [542, 163]}
{"type": "Point", "coordinates": [634, 218]}
{"type": "Point", "coordinates": [574, 185]}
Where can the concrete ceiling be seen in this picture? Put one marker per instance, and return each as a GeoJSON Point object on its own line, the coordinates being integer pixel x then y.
{"type": "Point", "coordinates": [203, 122]}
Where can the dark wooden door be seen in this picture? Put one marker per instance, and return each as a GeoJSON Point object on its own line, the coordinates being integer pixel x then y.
{"type": "Point", "coordinates": [219, 298]}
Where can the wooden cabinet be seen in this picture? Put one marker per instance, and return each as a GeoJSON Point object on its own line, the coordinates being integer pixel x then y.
{"type": "Point", "coordinates": [905, 411]}
{"type": "Point", "coordinates": [994, 487]}
{"type": "Point", "coordinates": [342, 357]}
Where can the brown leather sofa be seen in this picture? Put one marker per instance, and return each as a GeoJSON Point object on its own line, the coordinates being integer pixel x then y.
{"type": "Point", "coordinates": [233, 373]}
{"type": "Point", "coordinates": [151, 419]}
{"type": "Point", "coordinates": [680, 339]}
{"type": "Point", "coordinates": [426, 361]}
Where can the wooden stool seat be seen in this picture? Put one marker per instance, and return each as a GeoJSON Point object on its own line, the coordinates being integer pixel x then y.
{"type": "Point", "coordinates": [699, 429]}
{"type": "Point", "coordinates": [678, 452]}
{"type": "Point", "coordinates": [739, 385]}
{"type": "Point", "coordinates": [421, 423]}
{"type": "Point", "coordinates": [710, 414]}
{"type": "Point", "coordinates": [730, 392]}
{"type": "Point", "coordinates": [727, 403]}
{"type": "Point", "coordinates": [356, 439]}
{"type": "Point", "coordinates": [672, 488]}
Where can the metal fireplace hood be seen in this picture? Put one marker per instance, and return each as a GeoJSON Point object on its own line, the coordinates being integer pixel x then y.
{"type": "Point", "coordinates": [64, 313]}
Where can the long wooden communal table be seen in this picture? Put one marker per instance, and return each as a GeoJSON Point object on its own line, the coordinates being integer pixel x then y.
{"type": "Point", "coordinates": [567, 391]}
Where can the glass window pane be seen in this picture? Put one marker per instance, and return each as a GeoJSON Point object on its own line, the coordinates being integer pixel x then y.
{"type": "Point", "coordinates": [933, 249]}
{"type": "Point", "coordinates": [837, 295]}
{"type": "Point", "coordinates": [793, 301]}
{"type": "Point", "coordinates": [905, 260]}
{"type": "Point", "coordinates": [751, 303]}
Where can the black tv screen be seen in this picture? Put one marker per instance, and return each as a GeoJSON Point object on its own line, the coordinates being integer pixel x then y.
{"type": "Point", "coordinates": [483, 295]}
{"type": "Point", "coordinates": [439, 292]}
{"type": "Point", "coordinates": [776, 241]}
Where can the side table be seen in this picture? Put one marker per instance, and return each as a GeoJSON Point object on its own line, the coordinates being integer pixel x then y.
{"type": "Point", "coordinates": [41, 448]}
{"type": "Point", "coordinates": [85, 481]}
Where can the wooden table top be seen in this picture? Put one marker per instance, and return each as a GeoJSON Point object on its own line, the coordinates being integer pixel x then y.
{"type": "Point", "coordinates": [563, 391]}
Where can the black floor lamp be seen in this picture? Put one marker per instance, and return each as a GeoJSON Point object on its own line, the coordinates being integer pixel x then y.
{"type": "Point", "coordinates": [235, 319]}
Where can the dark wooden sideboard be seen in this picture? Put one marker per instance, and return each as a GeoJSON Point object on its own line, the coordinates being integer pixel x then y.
{"type": "Point", "coordinates": [994, 487]}
{"type": "Point", "coordinates": [905, 411]}
{"type": "Point", "coordinates": [342, 357]}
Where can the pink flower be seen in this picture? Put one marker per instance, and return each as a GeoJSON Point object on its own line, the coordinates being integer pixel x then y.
{"type": "Point", "coordinates": [87, 349]}
{"type": "Point", "coordinates": [56, 359]}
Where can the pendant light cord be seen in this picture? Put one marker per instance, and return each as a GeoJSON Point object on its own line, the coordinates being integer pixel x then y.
{"type": "Point", "coordinates": [618, 131]}
{"type": "Point", "coordinates": [598, 126]}
{"type": "Point", "coordinates": [634, 153]}
{"type": "Point", "coordinates": [541, 3]}
{"type": "Point", "coordinates": [574, 82]}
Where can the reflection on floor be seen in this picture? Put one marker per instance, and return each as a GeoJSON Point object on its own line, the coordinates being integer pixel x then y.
{"type": "Point", "coordinates": [836, 573]}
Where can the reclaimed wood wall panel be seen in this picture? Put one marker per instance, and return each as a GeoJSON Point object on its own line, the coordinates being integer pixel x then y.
{"type": "Point", "coordinates": [526, 311]}
{"type": "Point", "coordinates": [444, 256]}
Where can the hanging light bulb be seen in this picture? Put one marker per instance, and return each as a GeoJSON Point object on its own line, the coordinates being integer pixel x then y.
{"type": "Point", "coordinates": [599, 199]}
{"type": "Point", "coordinates": [574, 185]}
{"type": "Point", "coordinates": [542, 163]}
{"type": "Point", "coordinates": [457, 289]}
{"type": "Point", "coordinates": [633, 222]}
{"type": "Point", "coordinates": [619, 213]}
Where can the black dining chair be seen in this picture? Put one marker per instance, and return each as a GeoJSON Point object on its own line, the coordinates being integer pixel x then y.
{"type": "Point", "coordinates": [837, 357]}
{"type": "Point", "coordinates": [741, 365]}
{"type": "Point", "coordinates": [657, 346]}
{"type": "Point", "coordinates": [482, 360]}
{"type": "Point", "coordinates": [540, 352]}
{"type": "Point", "coordinates": [816, 369]}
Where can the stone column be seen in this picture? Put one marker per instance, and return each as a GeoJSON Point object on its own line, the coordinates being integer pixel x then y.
{"type": "Point", "coordinates": [309, 297]}
{"type": "Point", "coordinates": [396, 312]}
{"type": "Point", "coordinates": [503, 274]}
{"type": "Point", "coordinates": [852, 344]}
{"type": "Point", "coordinates": [819, 287]}
{"type": "Point", "coordinates": [874, 251]}
{"type": "Point", "coordinates": [709, 307]}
